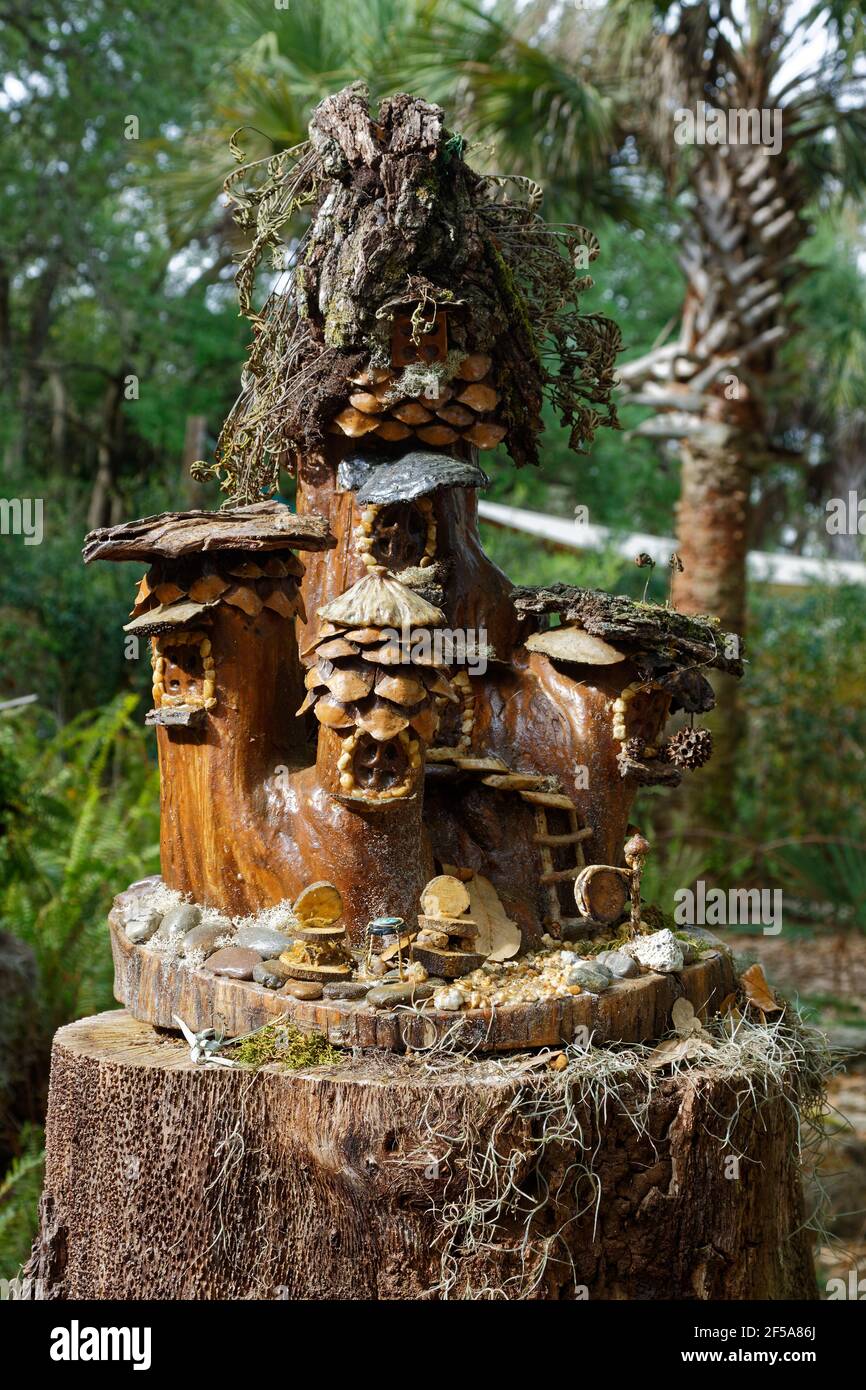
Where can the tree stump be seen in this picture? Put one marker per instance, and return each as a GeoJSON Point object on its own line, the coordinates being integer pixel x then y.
{"type": "Point", "coordinates": [364, 1181]}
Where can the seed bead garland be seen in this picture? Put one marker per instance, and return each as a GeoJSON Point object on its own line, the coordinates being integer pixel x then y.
{"type": "Point", "coordinates": [157, 666]}
{"type": "Point", "coordinates": [620, 710]}
{"type": "Point", "coordinates": [467, 710]}
{"type": "Point", "coordinates": [463, 686]}
{"type": "Point", "coordinates": [363, 534]}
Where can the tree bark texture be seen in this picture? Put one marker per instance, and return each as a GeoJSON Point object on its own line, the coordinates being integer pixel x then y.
{"type": "Point", "coordinates": [166, 1181]}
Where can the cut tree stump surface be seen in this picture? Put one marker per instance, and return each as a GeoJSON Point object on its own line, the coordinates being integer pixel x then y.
{"type": "Point", "coordinates": [170, 1181]}
{"type": "Point", "coordinates": [155, 989]}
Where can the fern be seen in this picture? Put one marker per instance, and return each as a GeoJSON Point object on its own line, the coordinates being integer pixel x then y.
{"type": "Point", "coordinates": [83, 819]}
{"type": "Point", "coordinates": [19, 1199]}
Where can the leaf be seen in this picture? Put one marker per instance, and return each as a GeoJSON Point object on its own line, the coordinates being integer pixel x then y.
{"type": "Point", "coordinates": [676, 1050]}
{"type": "Point", "coordinates": [684, 1018]}
{"type": "Point", "coordinates": [494, 924]}
{"type": "Point", "coordinates": [758, 992]}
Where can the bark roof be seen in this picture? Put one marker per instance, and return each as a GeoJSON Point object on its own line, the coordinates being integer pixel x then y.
{"type": "Point", "coordinates": [260, 526]}
{"type": "Point", "coordinates": [661, 641]}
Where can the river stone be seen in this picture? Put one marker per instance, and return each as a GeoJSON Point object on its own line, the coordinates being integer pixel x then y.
{"type": "Point", "coordinates": [205, 936]}
{"type": "Point", "coordinates": [302, 989]}
{"type": "Point", "coordinates": [271, 973]}
{"type": "Point", "coordinates": [141, 928]}
{"type": "Point", "coordinates": [386, 996]}
{"type": "Point", "coordinates": [129, 902]}
{"type": "Point", "coordinates": [264, 940]}
{"type": "Point", "coordinates": [179, 921]}
{"type": "Point", "coordinates": [590, 975]}
{"type": "Point", "coordinates": [659, 951]}
{"type": "Point", "coordinates": [235, 962]}
{"type": "Point", "coordinates": [347, 989]}
{"type": "Point", "coordinates": [621, 966]}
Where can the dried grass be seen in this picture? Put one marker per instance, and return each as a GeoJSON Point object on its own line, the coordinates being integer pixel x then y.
{"type": "Point", "coordinates": [499, 1194]}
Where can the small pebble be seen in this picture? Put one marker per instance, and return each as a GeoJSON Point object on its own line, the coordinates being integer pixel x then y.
{"type": "Point", "coordinates": [386, 996]}
{"type": "Point", "coordinates": [179, 921]}
{"type": "Point", "coordinates": [130, 900]}
{"type": "Point", "coordinates": [346, 989]}
{"type": "Point", "coordinates": [264, 940]}
{"type": "Point", "coordinates": [142, 928]}
{"type": "Point", "coordinates": [449, 999]}
{"type": "Point", "coordinates": [204, 938]}
{"type": "Point", "coordinates": [659, 951]}
{"type": "Point", "coordinates": [235, 962]}
{"type": "Point", "coordinates": [271, 973]}
{"type": "Point", "coordinates": [589, 975]}
{"type": "Point", "coordinates": [302, 989]}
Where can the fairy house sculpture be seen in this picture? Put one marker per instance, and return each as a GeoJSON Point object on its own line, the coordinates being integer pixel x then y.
{"type": "Point", "coordinates": [393, 708]}
{"type": "Point", "coordinates": [396, 805]}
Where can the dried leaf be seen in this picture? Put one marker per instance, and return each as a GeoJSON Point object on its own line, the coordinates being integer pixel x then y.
{"type": "Point", "coordinates": [494, 924]}
{"type": "Point", "coordinates": [674, 1050]}
{"type": "Point", "coordinates": [684, 1019]}
{"type": "Point", "coordinates": [758, 992]}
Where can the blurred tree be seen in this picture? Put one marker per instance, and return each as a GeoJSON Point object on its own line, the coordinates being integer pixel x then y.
{"type": "Point", "coordinates": [790, 125]}
{"type": "Point", "coordinates": [92, 290]}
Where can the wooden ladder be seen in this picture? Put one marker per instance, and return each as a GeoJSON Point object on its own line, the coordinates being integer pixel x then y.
{"type": "Point", "coordinates": [550, 877]}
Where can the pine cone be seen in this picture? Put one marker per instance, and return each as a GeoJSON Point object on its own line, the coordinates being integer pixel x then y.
{"type": "Point", "coordinates": [689, 748]}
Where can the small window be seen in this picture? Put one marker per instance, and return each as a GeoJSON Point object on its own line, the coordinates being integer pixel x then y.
{"type": "Point", "coordinates": [399, 535]}
{"type": "Point", "coordinates": [183, 675]}
{"type": "Point", "coordinates": [432, 345]}
{"type": "Point", "coordinates": [378, 767]}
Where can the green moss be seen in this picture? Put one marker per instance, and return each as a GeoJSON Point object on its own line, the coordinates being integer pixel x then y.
{"type": "Point", "coordinates": [656, 919]}
{"type": "Point", "coordinates": [510, 292]}
{"type": "Point", "coordinates": [287, 1046]}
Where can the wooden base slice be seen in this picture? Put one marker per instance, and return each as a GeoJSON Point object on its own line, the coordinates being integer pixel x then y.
{"type": "Point", "coordinates": [449, 964]}
{"type": "Point", "coordinates": [323, 973]}
{"type": "Point", "coordinates": [451, 926]}
{"type": "Point", "coordinates": [317, 933]}
{"type": "Point", "coordinates": [157, 990]}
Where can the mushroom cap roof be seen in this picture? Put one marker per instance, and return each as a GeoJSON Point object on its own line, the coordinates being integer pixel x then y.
{"type": "Point", "coordinates": [417, 474]}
